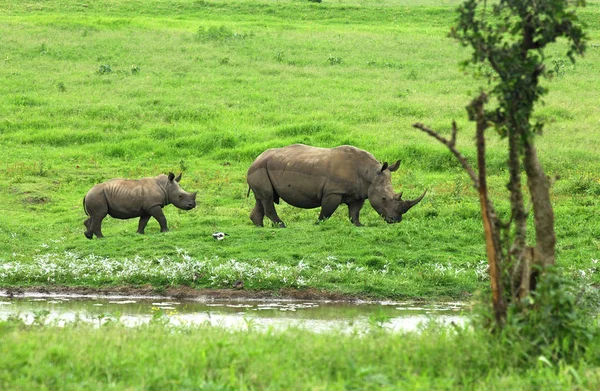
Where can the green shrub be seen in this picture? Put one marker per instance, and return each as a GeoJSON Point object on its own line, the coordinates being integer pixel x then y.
{"type": "Point", "coordinates": [556, 323]}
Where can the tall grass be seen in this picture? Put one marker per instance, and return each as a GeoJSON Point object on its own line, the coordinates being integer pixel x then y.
{"type": "Point", "coordinates": [130, 89]}
{"type": "Point", "coordinates": [155, 356]}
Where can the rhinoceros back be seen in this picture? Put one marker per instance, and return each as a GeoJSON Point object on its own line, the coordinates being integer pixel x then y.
{"type": "Point", "coordinates": [302, 175]}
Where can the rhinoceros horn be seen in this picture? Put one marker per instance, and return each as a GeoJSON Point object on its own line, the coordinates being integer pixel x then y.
{"type": "Point", "coordinates": [410, 203]}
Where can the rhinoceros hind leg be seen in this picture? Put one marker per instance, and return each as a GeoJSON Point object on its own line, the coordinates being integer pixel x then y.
{"type": "Point", "coordinates": [258, 214]}
{"type": "Point", "coordinates": [96, 226]}
{"type": "Point", "coordinates": [142, 224]}
{"type": "Point", "coordinates": [269, 208]}
{"type": "Point", "coordinates": [88, 233]}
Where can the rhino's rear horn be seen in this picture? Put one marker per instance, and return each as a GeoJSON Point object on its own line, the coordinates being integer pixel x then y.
{"type": "Point", "coordinates": [394, 166]}
{"type": "Point", "coordinates": [410, 203]}
{"type": "Point", "coordinates": [172, 177]}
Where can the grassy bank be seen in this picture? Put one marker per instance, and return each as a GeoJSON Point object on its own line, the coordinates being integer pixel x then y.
{"type": "Point", "coordinates": [111, 89]}
{"type": "Point", "coordinates": [79, 357]}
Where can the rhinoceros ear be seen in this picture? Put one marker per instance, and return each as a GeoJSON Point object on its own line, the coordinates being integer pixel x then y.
{"type": "Point", "coordinates": [178, 177]}
{"type": "Point", "coordinates": [171, 176]}
{"type": "Point", "coordinates": [394, 166]}
{"type": "Point", "coordinates": [385, 165]}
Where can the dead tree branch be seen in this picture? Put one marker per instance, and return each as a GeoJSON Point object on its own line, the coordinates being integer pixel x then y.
{"type": "Point", "coordinates": [491, 223]}
{"type": "Point", "coordinates": [451, 146]}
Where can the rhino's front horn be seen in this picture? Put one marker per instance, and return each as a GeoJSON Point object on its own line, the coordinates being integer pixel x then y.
{"type": "Point", "coordinates": [410, 203]}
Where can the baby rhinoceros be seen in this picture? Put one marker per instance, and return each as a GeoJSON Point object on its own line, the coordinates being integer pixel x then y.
{"type": "Point", "coordinates": [126, 199]}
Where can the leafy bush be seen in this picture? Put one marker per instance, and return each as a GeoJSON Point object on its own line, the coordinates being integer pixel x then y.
{"type": "Point", "coordinates": [104, 69]}
{"type": "Point", "coordinates": [219, 34]}
{"type": "Point", "coordinates": [552, 325]}
{"type": "Point", "coordinates": [333, 60]}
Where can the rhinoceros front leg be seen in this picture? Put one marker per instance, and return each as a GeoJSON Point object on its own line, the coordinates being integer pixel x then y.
{"type": "Point", "coordinates": [329, 204]}
{"type": "Point", "coordinates": [354, 211]}
{"type": "Point", "coordinates": [158, 214]}
{"type": "Point", "coordinates": [142, 224]}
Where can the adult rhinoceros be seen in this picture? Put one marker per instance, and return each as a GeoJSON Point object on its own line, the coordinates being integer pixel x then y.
{"type": "Point", "coordinates": [126, 199]}
{"type": "Point", "coordinates": [309, 177]}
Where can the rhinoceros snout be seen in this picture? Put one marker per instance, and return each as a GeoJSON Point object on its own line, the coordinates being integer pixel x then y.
{"type": "Point", "coordinates": [392, 220]}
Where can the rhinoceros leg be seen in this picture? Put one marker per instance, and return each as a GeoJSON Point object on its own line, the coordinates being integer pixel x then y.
{"type": "Point", "coordinates": [265, 200]}
{"type": "Point", "coordinates": [259, 211]}
{"type": "Point", "coordinates": [258, 214]}
{"type": "Point", "coordinates": [158, 214]}
{"type": "Point", "coordinates": [354, 210]}
{"type": "Point", "coordinates": [88, 224]}
{"type": "Point", "coordinates": [269, 208]}
{"type": "Point", "coordinates": [142, 224]}
{"type": "Point", "coordinates": [329, 204]}
{"type": "Point", "coordinates": [94, 225]}
{"type": "Point", "coordinates": [95, 204]}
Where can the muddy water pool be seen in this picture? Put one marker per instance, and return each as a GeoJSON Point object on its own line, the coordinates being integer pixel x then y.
{"type": "Point", "coordinates": [319, 316]}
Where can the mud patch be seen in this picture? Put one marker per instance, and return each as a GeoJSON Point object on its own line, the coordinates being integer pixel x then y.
{"type": "Point", "coordinates": [36, 200]}
{"type": "Point", "coordinates": [184, 292]}
{"type": "Point", "coordinates": [261, 313]}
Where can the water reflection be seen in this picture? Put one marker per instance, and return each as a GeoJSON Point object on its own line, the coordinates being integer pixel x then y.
{"type": "Point", "coordinates": [319, 316]}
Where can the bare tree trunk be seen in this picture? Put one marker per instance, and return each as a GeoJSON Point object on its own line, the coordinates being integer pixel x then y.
{"type": "Point", "coordinates": [490, 221]}
{"type": "Point", "coordinates": [539, 188]}
{"type": "Point", "coordinates": [522, 271]}
{"type": "Point", "coordinates": [517, 261]}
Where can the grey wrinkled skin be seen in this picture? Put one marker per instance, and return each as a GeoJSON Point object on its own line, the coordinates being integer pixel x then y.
{"type": "Point", "coordinates": [126, 199]}
{"type": "Point", "coordinates": [308, 177]}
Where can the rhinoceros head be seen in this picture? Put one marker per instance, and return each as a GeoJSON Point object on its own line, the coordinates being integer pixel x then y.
{"type": "Point", "coordinates": [177, 196]}
{"type": "Point", "coordinates": [388, 204]}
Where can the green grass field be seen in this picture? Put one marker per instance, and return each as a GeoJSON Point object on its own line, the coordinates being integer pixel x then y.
{"type": "Point", "coordinates": [104, 89]}
{"type": "Point", "coordinates": [111, 88]}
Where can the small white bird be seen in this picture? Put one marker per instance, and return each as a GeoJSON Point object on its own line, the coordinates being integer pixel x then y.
{"type": "Point", "coordinates": [219, 235]}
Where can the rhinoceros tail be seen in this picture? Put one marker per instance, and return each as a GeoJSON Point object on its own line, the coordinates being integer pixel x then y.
{"type": "Point", "coordinates": [275, 195]}
{"type": "Point", "coordinates": [84, 208]}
